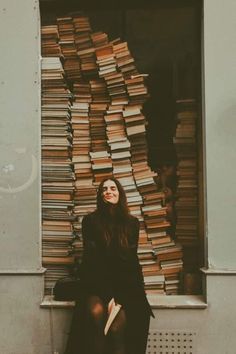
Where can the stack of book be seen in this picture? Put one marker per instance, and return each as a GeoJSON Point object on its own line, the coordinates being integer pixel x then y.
{"type": "Point", "coordinates": [71, 62]}
{"type": "Point", "coordinates": [153, 207]}
{"type": "Point", "coordinates": [118, 143]}
{"type": "Point", "coordinates": [109, 138]}
{"type": "Point", "coordinates": [187, 184]}
{"type": "Point", "coordinates": [97, 126]}
{"type": "Point", "coordinates": [170, 257]}
{"type": "Point", "coordinates": [157, 226]}
{"type": "Point", "coordinates": [124, 60]}
{"type": "Point", "coordinates": [85, 192]}
{"type": "Point", "coordinates": [99, 93]}
{"type": "Point", "coordinates": [116, 88]}
{"type": "Point", "coordinates": [136, 89]}
{"type": "Point", "coordinates": [81, 142]}
{"type": "Point", "coordinates": [100, 156]}
{"type": "Point", "coordinates": [57, 173]}
{"type": "Point", "coordinates": [106, 60]}
{"type": "Point", "coordinates": [82, 92]}
{"type": "Point", "coordinates": [101, 165]}
{"type": "Point", "coordinates": [85, 49]}
{"type": "Point", "coordinates": [154, 284]}
{"type": "Point", "coordinates": [82, 31]}
{"type": "Point", "coordinates": [50, 45]}
{"type": "Point", "coordinates": [154, 280]}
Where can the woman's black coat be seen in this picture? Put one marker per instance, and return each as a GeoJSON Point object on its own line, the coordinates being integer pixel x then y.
{"type": "Point", "coordinates": [112, 271]}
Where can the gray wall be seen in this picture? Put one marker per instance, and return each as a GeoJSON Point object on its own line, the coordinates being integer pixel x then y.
{"type": "Point", "coordinates": [20, 135]}
{"type": "Point", "coordinates": [220, 107]}
{"type": "Point", "coordinates": [24, 325]}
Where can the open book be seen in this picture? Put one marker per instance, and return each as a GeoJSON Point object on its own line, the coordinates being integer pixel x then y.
{"type": "Point", "coordinates": [113, 310]}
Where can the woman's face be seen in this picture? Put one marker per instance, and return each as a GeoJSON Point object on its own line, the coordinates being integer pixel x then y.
{"type": "Point", "coordinates": [110, 192]}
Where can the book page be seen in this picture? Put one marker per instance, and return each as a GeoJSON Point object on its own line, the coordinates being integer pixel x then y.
{"type": "Point", "coordinates": [113, 310]}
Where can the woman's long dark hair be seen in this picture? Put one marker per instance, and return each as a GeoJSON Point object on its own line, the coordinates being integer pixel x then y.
{"type": "Point", "coordinates": [114, 213]}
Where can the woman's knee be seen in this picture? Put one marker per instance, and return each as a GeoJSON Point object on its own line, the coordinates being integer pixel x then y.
{"type": "Point", "coordinates": [96, 312]}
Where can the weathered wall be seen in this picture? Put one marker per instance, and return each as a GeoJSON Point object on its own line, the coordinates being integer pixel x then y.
{"type": "Point", "coordinates": [214, 326]}
{"type": "Point", "coordinates": [24, 326]}
{"type": "Point", "coordinates": [20, 135]}
{"type": "Point", "coordinates": [220, 91]}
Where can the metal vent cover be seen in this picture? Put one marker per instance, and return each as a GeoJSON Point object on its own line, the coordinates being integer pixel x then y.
{"type": "Point", "coordinates": [171, 342]}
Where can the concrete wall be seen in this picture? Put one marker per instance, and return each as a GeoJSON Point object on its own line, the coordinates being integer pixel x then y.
{"type": "Point", "coordinates": [220, 107]}
{"type": "Point", "coordinates": [20, 135]}
{"type": "Point", "coordinates": [24, 326]}
{"type": "Point", "coordinates": [22, 323]}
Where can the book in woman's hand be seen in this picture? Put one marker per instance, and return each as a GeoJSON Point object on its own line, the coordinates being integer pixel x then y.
{"type": "Point", "coordinates": [113, 309]}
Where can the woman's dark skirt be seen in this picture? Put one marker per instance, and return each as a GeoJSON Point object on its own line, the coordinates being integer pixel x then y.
{"type": "Point", "coordinates": [138, 319]}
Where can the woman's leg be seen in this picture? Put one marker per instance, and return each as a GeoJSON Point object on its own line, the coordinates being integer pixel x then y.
{"type": "Point", "coordinates": [117, 334]}
{"type": "Point", "coordinates": [96, 314]}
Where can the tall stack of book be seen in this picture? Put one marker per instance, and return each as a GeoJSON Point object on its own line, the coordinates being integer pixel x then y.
{"type": "Point", "coordinates": [109, 138]}
{"type": "Point", "coordinates": [187, 185]}
{"type": "Point", "coordinates": [153, 207]}
{"type": "Point", "coordinates": [89, 141]}
{"type": "Point", "coordinates": [81, 142]}
{"type": "Point", "coordinates": [71, 62]}
{"type": "Point", "coordinates": [84, 46]}
{"type": "Point", "coordinates": [122, 169]}
{"type": "Point", "coordinates": [154, 226]}
{"type": "Point", "coordinates": [57, 174]}
{"type": "Point", "coordinates": [115, 65]}
{"type": "Point", "coordinates": [85, 192]}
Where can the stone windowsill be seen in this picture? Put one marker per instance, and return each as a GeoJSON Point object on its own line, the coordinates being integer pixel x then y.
{"type": "Point", "coordinates": [156, 302]}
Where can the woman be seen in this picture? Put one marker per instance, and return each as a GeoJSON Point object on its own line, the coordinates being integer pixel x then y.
{"type": "Point", "coordinates": [110, 269]}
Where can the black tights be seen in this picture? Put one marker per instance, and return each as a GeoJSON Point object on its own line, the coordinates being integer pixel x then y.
{"type": "Point", "coordinates": [95, 323]}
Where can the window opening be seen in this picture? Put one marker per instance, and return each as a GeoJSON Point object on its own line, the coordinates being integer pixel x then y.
{"type": "Point", "coordinates": [102, 116]}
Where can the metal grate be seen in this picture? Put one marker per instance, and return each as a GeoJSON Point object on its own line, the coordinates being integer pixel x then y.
{"type": "Point", "coordinates": [171, 342]}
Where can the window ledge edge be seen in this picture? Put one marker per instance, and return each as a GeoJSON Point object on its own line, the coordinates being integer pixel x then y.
{"type": "Point", "coordinates": [156, 302]}
{"type": "Point", "coordinates": [177, 301]}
